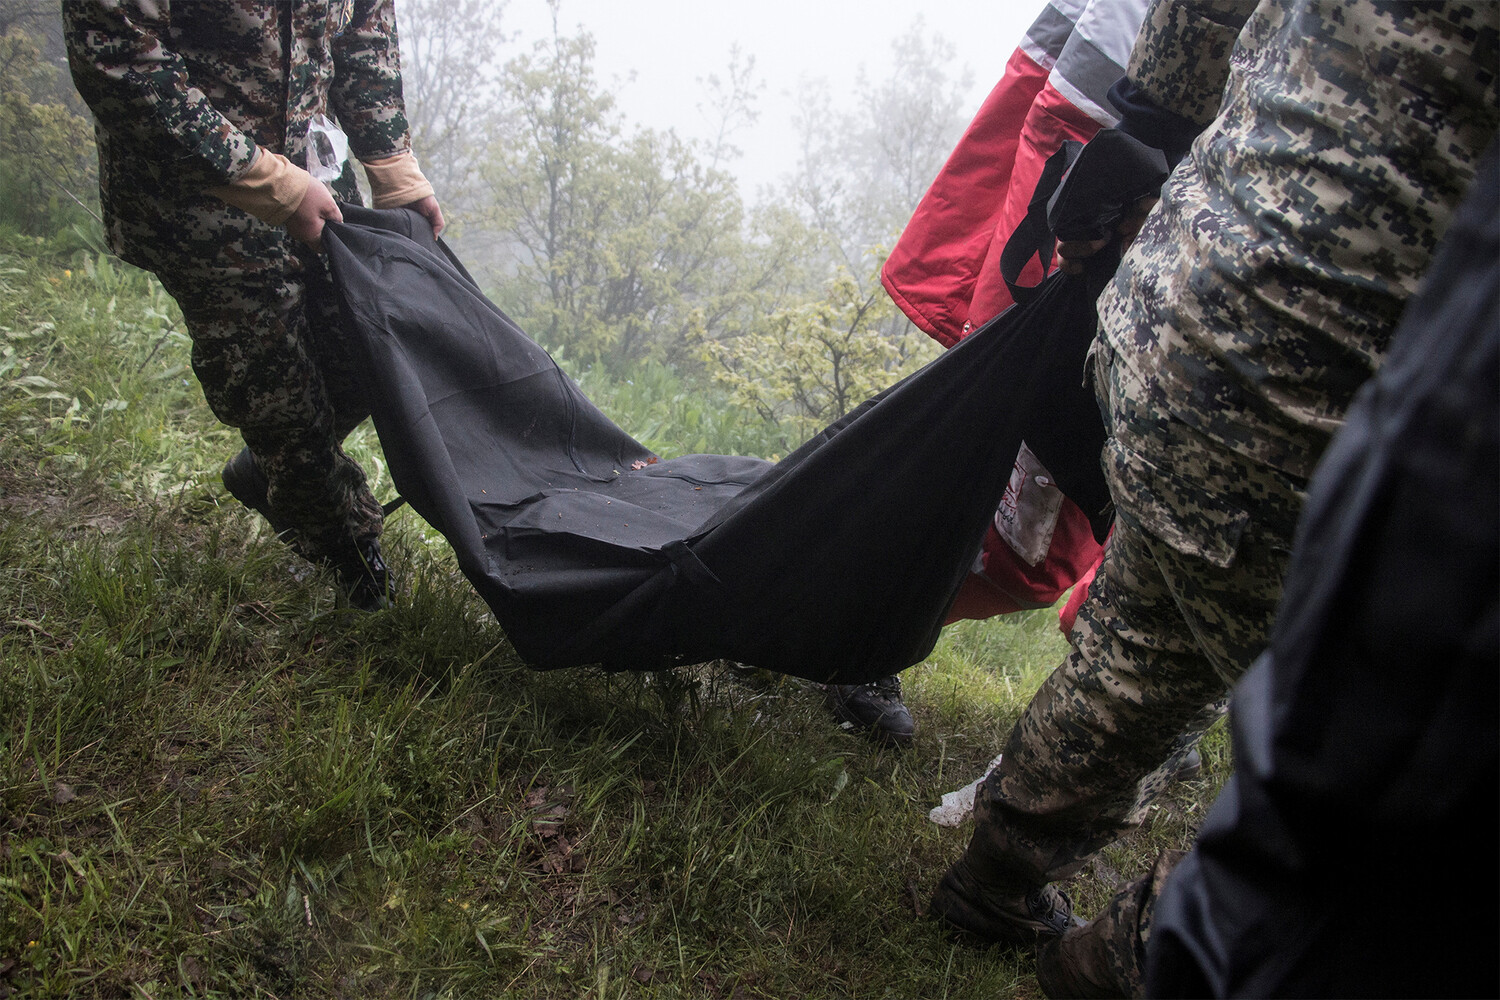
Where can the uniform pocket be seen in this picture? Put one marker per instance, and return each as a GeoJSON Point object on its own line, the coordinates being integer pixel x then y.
{"type": "Point", "coordinates": [1177, 509]}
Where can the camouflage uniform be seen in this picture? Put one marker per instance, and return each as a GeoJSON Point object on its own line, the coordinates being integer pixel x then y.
{"type": "Point", "coordinates": [183, 94]}
{"type": "Point", "coordinates": [1261, 293]}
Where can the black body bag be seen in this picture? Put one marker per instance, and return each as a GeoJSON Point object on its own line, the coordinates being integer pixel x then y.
{"type": "Point", "coordinates": [838, 563]}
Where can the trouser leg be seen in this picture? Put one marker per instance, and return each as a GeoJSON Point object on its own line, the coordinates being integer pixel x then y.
{"type": "Point", "coordinates": [1156, 647]}
{"type": "Point", "coordinates": [1107, 958]}
{"type": "Point", "coordinates": [1181, 606]}
{"type": "Point", "coordinates": [269, 360]}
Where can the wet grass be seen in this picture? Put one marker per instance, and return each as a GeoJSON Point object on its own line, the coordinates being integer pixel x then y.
{"type": "Point", "coordinates": [214, 781]}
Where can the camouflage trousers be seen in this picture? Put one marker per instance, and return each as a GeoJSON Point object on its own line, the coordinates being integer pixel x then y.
{"type": "Point", "coordinates": [1180, 608]}
{"type": "Point", "coordinates": [267, 352]}
{"type": "Point", "coordinates": [1111, 950]}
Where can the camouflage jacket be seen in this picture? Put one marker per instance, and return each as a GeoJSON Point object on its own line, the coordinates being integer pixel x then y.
{"type": "Point", "coordinates": [183, 94]}
{"type": "Point", "coordinates": [1265, 287]}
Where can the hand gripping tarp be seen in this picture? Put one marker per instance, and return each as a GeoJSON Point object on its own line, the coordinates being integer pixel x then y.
{"type": "Point", "coordinates": [836, 564]}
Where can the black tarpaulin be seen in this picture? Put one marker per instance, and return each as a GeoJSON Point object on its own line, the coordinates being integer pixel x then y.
{"type": "Point", "coordinates": [838, 563]}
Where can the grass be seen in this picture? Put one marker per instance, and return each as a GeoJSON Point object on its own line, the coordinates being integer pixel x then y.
{"type": "Point", "coordinates": [214, 781]}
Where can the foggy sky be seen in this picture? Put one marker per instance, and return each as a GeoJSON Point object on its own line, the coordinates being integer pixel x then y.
{"type": "Point", "coordinates": [669, 45]}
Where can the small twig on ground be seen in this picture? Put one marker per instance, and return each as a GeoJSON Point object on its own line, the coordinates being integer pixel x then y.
{"type": "Point", "coordinates": [28, 623]}
{"type": "Point", "coordinates": [154, 348]}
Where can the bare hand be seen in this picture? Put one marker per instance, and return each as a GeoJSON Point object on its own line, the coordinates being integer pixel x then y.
{"type": "Point", "coordinates": [316, 208]}
{"type": "Point", "coordinates": [428, 209]}
{"type": "Point", "coordinates": [1072, 254]}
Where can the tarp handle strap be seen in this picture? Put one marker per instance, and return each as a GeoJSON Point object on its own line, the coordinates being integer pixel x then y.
{"type": "Point", "coordinates": [1082, 193]}
{"type": "Point", "coordinates": [1033, 237]}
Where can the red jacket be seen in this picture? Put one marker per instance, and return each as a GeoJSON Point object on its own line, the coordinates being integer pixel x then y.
{"type": "Point", "coordinates": [944, 272]}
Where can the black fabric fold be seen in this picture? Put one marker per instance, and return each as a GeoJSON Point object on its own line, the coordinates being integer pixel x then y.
{"type": "Point", "coordinates": [838, 563]}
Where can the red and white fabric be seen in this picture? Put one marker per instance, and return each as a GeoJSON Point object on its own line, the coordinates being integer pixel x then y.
{"type": "Point", "coordinates": [944, 272]}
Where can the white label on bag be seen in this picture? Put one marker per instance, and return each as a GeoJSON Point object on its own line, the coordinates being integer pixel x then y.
{"type": "Point", "coordinates": [1027, 516]}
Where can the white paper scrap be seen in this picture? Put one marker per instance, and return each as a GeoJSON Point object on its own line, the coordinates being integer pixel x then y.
{"type": "Point", "coordinates": [958, 804]}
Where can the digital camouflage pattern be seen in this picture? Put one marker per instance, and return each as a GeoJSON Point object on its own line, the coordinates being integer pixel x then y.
{"type": "Point", "coordinates": [183, 94]}
{"type": "Point", "coordinates": [296, 418]}
{"type": "Point", "coordinates": [1163, 635]}
{"type": "Point", "coordinates": [1261, 293]}
{"type": "Point", "coordinates": [1181, 56]}
{"type": "Point", "coordinates": [1265, 287]}
{"type": "Point", "coordinates": [1108, 957]}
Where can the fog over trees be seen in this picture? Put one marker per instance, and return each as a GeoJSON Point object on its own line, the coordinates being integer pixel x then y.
{"type": "Point", "coordinates": [615, 245]}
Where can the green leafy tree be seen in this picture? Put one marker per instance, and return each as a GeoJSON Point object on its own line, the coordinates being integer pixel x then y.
{"type": "Point", "coordinates": [621, 246]}
{"type": "Point", "coordinates": [624, 246]}
{"type": "Point", "coordinates": [450, 78]}
{"type": "Point", "coordinates": [730, 104]}
{"type": "Point", "coordinates": [861, 173]}
{"type": "Point", "coordinates": [47, 164]}
{"type": "Point", "coordinates": [859, 177]}
{"type": "Point", "coordinates": [811, 363]}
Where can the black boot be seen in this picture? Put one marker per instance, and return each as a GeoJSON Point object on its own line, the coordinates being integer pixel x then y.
{"type": "Point", "coordinates": [247, 484]}
{"type": "Point", "coordinates": [875, 708]}
{"type": "Point", "coordinates": [360, 567]}
{"type": "Point", "coordinates": [999, 912]}
{"type": "Point", "coordinates": [365, 578]}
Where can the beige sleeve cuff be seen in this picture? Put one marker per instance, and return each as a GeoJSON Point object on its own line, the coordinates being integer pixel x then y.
{"type": "Point", "coordinates": [270, 190]}
{"type": "Point", "coordinates": [396, 181]}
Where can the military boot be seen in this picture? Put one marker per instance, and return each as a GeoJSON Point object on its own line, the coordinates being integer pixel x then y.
{"type": "Point", "coordinates": [247, 484]}
{"type": "Point", "coordinates": [998, 911]}
{"type": "Point", "coordinates": [363, 575]}
{"type": "Point", "coordinates": [1078, 966]}
{"type": "Point", "coordinates": [359, 565]}
{"type": "Point", "coordinates": [875, 708]}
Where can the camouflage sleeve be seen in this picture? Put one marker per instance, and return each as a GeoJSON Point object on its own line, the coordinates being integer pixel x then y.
{"type": "Point", "coordinates": [137, 87]}
{"type": "Point", "coordinates": [366, 92]}
{"type": "Point", "coordinates": [1181, 56]}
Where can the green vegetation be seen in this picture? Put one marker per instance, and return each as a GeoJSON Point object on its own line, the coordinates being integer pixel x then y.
{"type": "Point", "coordinates": [618, 246]}
{"type": "Point", "coordinates": [214, 782]}
{"type": "Point", "coordinates": [47, 165]}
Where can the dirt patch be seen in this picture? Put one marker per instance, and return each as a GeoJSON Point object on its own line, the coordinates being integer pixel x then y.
{"type": "Point", "coordinates": [58, 504]}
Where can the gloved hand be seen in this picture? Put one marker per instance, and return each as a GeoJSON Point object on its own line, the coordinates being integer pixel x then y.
{"type": "Point", "coordinates": [397, 182]}
{"type": "Point", "coordinates": [1072, 253]}
{"type": "Point", "coordinates": [277, 191]}
{"type": "Point", "coordinates": [1090, 196]}
{"type": "Point", "coordinates": [316, 207]}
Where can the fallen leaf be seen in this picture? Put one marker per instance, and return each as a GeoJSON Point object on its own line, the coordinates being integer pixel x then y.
{"type": "Point", "coordinates": [549, 822]}
{"type": "Point", "coordinates": [560, 860]}
{"type": "Point", "coordinates": [67, 858]}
